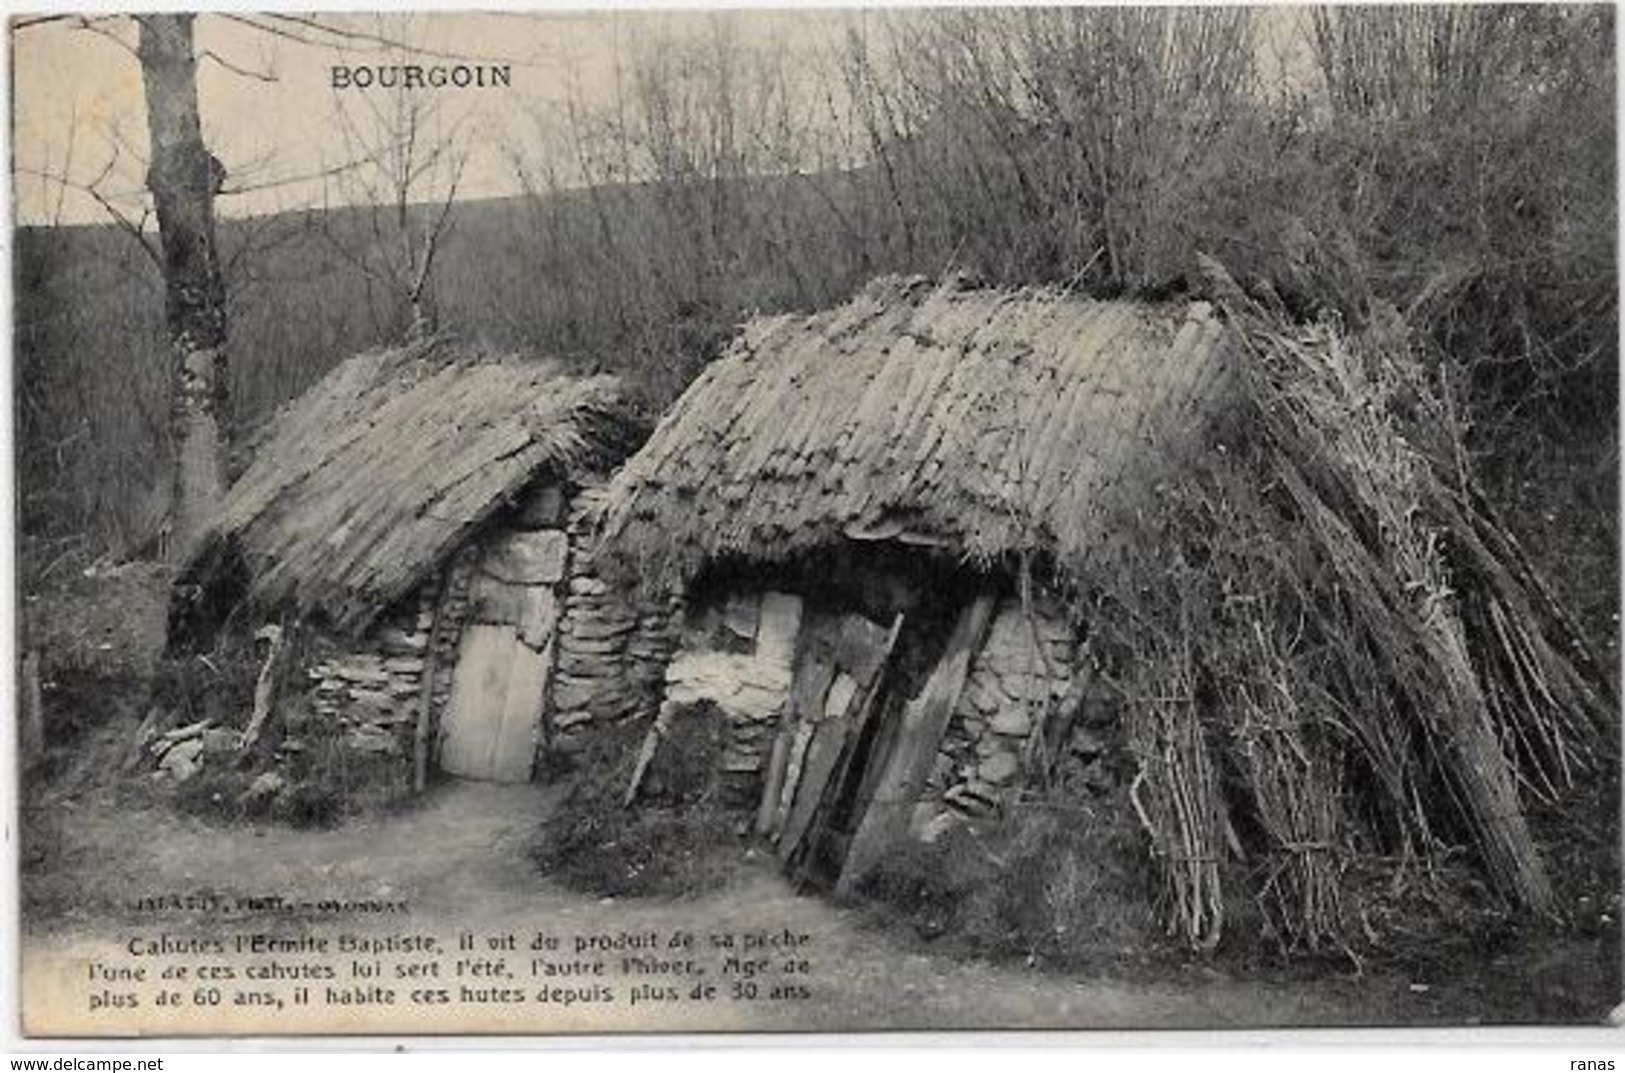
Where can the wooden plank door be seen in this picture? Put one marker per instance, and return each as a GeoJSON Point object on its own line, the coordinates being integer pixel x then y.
{"type": "Point", "coordinates": [491, 725]}
{"type": "Point", "coordinates": [906, 764]}
{"type": "Point", "coordinates": [861, 651]}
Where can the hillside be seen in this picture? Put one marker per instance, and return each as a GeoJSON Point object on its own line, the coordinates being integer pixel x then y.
{"type": "Point", "coordinates": [1369, 196]}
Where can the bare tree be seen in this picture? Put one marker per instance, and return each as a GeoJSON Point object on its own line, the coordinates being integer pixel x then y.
{"type": "Point", "coordinates": [184, 179]}
{"type": "Point", "coordinates": [181, 183]}
{"type": "Point", "coordinates": [409, 151]}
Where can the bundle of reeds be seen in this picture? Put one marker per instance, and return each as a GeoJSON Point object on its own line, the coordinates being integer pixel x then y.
{"type": "Point", "coordinates": [1325, 627]}
{"type": "Point", "coordinates": [1175, 793]}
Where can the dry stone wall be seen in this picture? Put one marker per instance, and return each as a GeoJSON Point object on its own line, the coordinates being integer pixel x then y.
{"type": "Point", "coordinates": [1022, 671]}
{"type": "Point", "coordinates": [738, 657]}
{"type": "Point", "coordinates": [373, 691]}
{"type": "Point", "coordinates": [364, 698]}
{"type": "Point", "coordinates": [612, 648]}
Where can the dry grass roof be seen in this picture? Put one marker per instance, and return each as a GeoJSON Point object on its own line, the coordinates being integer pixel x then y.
{"type": "Point", "coordinates": [984, 422]}
{"type": "Point", "coordinates": [367, 482]}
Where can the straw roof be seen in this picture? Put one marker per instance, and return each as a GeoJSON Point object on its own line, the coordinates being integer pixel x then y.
{"type": "Point", "coordinates": [367, 482]}
{"type": "Point", "coordinates": [980, 422]}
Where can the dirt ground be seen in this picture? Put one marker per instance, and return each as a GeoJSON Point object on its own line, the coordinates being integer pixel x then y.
{"type": "Point", "coordinates": [460, 855]}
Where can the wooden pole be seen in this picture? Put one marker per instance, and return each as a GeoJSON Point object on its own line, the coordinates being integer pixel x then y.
{"type": "Point", "coordinates": [264, 688]}
{"type": "Point", "coordinates": [427, 685]}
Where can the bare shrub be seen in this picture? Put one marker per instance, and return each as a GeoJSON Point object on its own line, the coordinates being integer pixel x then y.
{"type": "Point", "coordinates": [676, 840]}
{"type": "Point", "coordinates": [1057, 881]}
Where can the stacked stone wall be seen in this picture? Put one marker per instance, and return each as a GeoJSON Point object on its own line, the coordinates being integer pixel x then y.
{"type": "Point", "coordinates": [737, 656]}
{"type": "Point", "coordinates": [612, 647]}
{"type": "Point", "coordinates": [1023, 669]}
{"type": "Point", "coordinates": [373, 689]}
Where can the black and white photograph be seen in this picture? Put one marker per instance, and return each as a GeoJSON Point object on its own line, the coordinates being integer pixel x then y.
{"type": "Point", "coordinates": [536, 523]}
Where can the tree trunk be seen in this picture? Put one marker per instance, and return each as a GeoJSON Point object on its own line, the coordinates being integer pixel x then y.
{"type": "Point", "coordinates": [184, 178]}
{"type": "Point", "coordinates": [31, 733]}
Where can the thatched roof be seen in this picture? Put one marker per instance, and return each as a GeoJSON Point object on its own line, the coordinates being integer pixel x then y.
{"type": "Point", "coordinates": [367, 482]}
{"type": "Point", "coordinates": [983, 422]}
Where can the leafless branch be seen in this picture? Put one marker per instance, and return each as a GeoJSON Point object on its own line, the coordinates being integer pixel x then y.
{"type": "Point", "coordinates": [296, 180]}
{"type": "Point", "coordinates": [136, 229]}
{"type": "Point", "coordinates": [45, 20]}
{"type": "Point", "coordinates": [298, 28]}
{"type": "Point", "coordinates": [67, 163]}
{"type": "Point", "coordinates": [92, 26]}
{"type": "Point", "coordinates": [113, 133]}
{"type": "Point", "coordinates": [243, 20]}
{"type": "Point", "coordinates": [257, 236]}
{"type": "Point", "coordinates": [261, 76]}
{"type": "Point", "coordinates": [431, 241]}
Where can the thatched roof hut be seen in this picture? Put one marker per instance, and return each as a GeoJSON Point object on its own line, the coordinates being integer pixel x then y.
{"type": "Point", "coordinates": [407, 531]}
{"type": "Point", "coordinates": [1226, 566]}
{"type": "Point", "coordinates": [364, 485]}
{"type": "Point", "coordinates": [981, 422]}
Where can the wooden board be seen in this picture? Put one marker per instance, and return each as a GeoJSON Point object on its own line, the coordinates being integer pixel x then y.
{"type": "Point", "coordinates": [919, 736]}
{"type": "Point", "coordinates": [865, 651]}
{"type": "Point", "coordinates": [490, 723]}
{"type": "Point", "coordinates": [538, 615]}
{"type": "Point", "coordinates": [777, 627]}
{"type": "Point", "coordinates": [493, 602]}
{"type": "Point", "coordinates": [806, 704]}
{"type": "Point", "coordinates": [828, 737]}
{"type": "Point", "coordinates": [517, 727]}
{"type": "Point", "coordinates": [812, 673]}
{"type": "Point", "coordinates": [528, 558]}
{"type": "Point", "coordinates": [778, 763]}
{"type": "Point", "coordinates": [861, 649]}
{"type": "Point", "coordinates": [881, 742]}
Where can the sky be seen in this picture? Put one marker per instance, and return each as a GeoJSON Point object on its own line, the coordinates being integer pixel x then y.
{"type": "Point", "coordinates": [270, 112]}
{"type": "Point", "coordinates": [269, 109]}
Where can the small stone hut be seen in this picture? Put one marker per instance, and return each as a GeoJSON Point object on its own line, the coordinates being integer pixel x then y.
{"type": "Point", "coordinates": [885, 485]}
{"type": "Point", "coordinates": [409, 529]}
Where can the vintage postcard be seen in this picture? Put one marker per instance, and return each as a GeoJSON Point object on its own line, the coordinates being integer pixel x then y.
{"type": "Point", "coordinates": [872, 519]}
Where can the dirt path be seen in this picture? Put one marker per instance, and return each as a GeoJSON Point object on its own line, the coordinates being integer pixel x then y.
{"type": "Point", "coordinates": [458, 860]}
